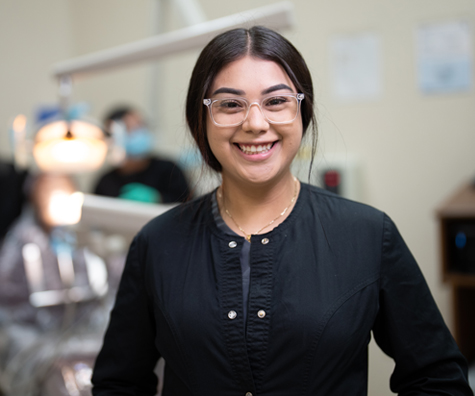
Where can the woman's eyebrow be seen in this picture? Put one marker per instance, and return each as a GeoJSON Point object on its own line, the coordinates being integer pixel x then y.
{"type": "Point", "coordinates": [276, 88]}
{"type": "Point", "coordinates": [228, 90]}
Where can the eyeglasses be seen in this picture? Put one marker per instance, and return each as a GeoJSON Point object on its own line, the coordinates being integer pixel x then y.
{"type": "Point", "coordinates": [276, 109]}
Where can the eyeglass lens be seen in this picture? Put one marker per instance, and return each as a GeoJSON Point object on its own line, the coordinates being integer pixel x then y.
{"type": "Point", "coordinates": [231, 111]}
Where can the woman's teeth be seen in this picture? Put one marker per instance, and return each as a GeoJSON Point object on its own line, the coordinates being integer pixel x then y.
{"type": "Point", "coordinates": [252, 149]}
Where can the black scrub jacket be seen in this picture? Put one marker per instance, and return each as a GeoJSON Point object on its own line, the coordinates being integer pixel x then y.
{"type": "Point", "coordinates": [331, 273]}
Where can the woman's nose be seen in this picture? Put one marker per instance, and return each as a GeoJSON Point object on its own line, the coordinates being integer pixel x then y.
{"type": "Point", "coordinates": [255, 121]}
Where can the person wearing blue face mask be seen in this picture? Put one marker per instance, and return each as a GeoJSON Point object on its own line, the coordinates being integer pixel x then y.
{"type": "Point", "coordinates": [138, 142]}
{"type": "Point", "coordinates": [141, 176]}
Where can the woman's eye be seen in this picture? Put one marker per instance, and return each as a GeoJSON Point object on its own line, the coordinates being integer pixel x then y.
{"type": "Point", "coordinates": [276, 101]}
{"type": "Point", "coordinates": [230, 104]}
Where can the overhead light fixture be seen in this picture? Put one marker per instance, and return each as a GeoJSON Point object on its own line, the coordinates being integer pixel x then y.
{"type": "Point", "coordinates": [69, 147]}
{"type": "Point", "coordinates": [63, 146]}
{"type": "Point", "coordinates": [66, 143]}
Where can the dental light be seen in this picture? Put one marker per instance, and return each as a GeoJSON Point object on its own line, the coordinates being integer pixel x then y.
{"type": "Point", "coordinates": [69, 147]}
{"type": "Point", "coordinates": [67, 143]}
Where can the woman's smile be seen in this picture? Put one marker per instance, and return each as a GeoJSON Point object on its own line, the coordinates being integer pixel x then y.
{"type": "Point", "coordinates": [253, 149]}
{"type": "Point", "coordinates": [256, 151]}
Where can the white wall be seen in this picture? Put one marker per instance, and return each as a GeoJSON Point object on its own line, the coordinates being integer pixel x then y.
{"type": "Point", "coordinates": [414, 149]}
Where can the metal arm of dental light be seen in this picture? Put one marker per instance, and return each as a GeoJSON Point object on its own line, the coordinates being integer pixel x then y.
{"type": "Point", "coordinates": [118, 215]}
{"type": "Point", "coordinates": [277, 16]}
{"type": "Point", "coordinates": [190, 11]}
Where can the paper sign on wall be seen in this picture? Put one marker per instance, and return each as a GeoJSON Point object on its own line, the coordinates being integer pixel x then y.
{"type": "Point", "coordinates": [444, 57]}
{"type": "Point", "coordinates": [355, 66]}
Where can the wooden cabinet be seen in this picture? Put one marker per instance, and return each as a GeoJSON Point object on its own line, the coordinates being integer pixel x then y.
{"type": "Point", "coordinates": [457, 227]}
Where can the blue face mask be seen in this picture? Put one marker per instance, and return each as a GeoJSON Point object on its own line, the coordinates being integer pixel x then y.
{"type": "Point", "coordinates": [138, 142]}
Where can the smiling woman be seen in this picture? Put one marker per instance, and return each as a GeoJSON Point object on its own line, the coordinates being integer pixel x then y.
{"type": "Point", "coordinates": [269, 286]}
{"type": "Point", "coordinates": [236, 44]}
{"type": "Point", "coordinates": [255, 149]}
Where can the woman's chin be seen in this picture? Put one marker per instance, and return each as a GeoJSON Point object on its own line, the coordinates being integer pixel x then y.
{"type": "Point", "coordinates": [258, 174]}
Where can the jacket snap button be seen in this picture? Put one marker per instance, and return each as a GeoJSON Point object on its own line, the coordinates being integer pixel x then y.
{"type": "Point", "coordinates": [232, 244]}
{"type": "Point", "coordinates": [261, 313]}
{"type": "Point", "coordinates": [232, 314]}
{"type": "Point", "coordinates": [264, 241]}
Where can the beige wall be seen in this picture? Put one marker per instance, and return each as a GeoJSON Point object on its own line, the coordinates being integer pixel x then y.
{"type": "Point", "coordinates": [96, 25]}
{"type": "Point", "coordinates": [414, 149]}
{"type": "Point", "coordinates": [33, 34]}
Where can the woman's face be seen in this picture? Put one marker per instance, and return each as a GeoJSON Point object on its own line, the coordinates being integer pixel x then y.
{"type": "Point", "coordinates": [237, 148]}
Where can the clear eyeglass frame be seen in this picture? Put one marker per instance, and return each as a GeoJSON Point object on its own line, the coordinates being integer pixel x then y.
{"type": "Point", "coordinates": [299, 96]}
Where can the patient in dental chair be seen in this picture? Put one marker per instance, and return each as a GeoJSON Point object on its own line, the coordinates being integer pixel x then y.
{"type": "Point", "coordinates": [50, 293]}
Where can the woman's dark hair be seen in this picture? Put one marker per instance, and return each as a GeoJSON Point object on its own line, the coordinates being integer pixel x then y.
{"type": "Point", "coordinates": [259, 42]}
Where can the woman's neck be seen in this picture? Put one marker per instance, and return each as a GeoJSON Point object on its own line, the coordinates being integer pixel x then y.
{"type": "Point", "coordinates": [250, 209]}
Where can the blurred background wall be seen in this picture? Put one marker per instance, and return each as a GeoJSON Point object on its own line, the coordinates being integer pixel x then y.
{"type": "Point", "coordinates": [413, 148]}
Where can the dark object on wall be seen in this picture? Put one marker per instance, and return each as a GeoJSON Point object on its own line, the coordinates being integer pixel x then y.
{"type": "Point", "coordinates": [332, 181]}
{"type": "Point", "coordinates": [12, 196]}
{"type": "Point", "coordinates": [461, 245]}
